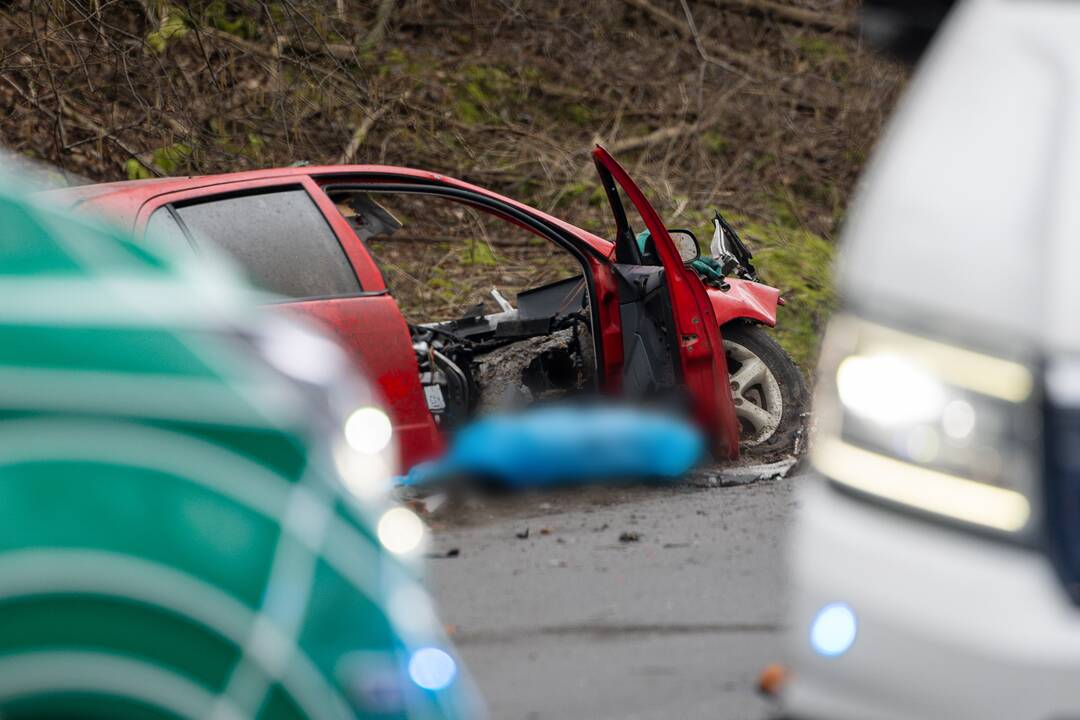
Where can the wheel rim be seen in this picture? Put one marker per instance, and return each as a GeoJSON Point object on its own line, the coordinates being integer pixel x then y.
{"type": "Point", "coordinates": [759, 404]}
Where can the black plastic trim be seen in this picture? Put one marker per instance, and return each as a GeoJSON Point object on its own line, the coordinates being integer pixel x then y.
{"type": "Point", "coordinates": [1061, 493]}
{"type": "Point", "coordinates": [317, 298]}
{"type": "Point", "coordinates": [188, 235]}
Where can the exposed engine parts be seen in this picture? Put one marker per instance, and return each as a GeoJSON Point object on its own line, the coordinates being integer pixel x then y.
{"type": "Point", "coordinates": [478, 363]}
{"type": "Point", "coordinates": [448, 389]}
{"type": "Point", "coordinates": [539, 368]}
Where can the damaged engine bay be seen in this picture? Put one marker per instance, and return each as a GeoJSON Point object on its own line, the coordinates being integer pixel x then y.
{"type": "Point", "coordinates": [541, 350]}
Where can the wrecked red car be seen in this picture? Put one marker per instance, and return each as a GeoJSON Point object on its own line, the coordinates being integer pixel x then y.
{"type": "Point", "coordinates": [620, 317]}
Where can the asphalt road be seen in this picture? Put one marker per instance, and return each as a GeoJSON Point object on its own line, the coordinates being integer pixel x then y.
{"type": "Point", "coordinates": [572, 622]}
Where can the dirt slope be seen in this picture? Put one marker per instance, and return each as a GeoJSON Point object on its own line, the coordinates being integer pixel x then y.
{"type": "Point", "coordinates": [766, 108]}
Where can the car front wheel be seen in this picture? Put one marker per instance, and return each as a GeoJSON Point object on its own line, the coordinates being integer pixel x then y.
{"type": "Point", "coordinates": [768, 389]}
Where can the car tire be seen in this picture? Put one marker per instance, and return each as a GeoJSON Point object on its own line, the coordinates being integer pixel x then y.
{"type": "Point", "coordinates": [769, 392]}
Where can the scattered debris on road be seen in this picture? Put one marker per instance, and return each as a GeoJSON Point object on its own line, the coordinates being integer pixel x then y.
{"type": "Point", "coordinates": [772, 679]}
{"type": "Point", "coordinates": [451, 553]}
{"type": "Point", "coordinates": [732, 475]}
{"type": "Point", "coordinates": [427, 505]}
{"type": "Point", "coordinates": [629, 537]}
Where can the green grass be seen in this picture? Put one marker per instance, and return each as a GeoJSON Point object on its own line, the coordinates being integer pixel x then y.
{"type": "Point", "coordinates": [793, 259]}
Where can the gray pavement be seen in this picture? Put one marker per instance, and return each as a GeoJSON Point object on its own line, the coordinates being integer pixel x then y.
{"type": "Point", "coordinates": [572, 622]}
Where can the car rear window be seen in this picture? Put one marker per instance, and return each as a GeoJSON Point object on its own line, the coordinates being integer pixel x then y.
{"type": "Point", "coordinates": [280, 238]}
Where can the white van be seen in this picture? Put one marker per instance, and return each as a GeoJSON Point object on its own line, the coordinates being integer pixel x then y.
{"type": "Point", "coordinates": [936, 559]}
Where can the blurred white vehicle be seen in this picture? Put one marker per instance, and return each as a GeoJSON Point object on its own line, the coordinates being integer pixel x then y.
{"type": "Point", "coordinates": [936, 563]}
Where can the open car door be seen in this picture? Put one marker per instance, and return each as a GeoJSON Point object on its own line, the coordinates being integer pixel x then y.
{"type": "Point", "coordinates": [670, 336]}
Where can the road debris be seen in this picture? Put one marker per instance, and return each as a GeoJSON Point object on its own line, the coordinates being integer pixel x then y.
{"type": "Point", "coordinates": [733, 475]}
{"type": "Point", "coordinates": [451, 553]}
{"type": "Point", "coordinates": [522, 535]}
{"type": "Point", "coordinates": [629, 537]}
{"type": "Point", "coordinates": [426, 506]}
{"type": "Point", "coordinates": [772, 679]}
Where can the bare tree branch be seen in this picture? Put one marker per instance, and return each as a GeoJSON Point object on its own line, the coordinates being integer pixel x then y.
{"type": "Point", "coordinates": [730, 57]}
{"type": "Point", "coordinates": [378, 29]}
{"type": "Point", "coordinates": [789, 14]}
{"type": "Point", "coordinates": [360, 134]}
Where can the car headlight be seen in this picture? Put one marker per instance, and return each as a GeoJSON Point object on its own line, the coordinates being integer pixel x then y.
{"type": "Point", "coordinates": [928, 425]}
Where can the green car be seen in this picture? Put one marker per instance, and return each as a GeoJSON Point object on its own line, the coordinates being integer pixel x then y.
{"type": "Point", "coordinates": [193, 517]}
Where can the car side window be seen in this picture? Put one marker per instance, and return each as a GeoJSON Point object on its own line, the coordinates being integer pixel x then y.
{"type": "Point", "coordinates": [280, 238]}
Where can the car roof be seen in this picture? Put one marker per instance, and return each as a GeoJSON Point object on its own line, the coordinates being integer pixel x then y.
{"type": "Point", "coordinates": [143, 190]}
{"type": "Point", "coordinates": [78, 193]}
{"type": "Point", "coordinates": [123, 199]}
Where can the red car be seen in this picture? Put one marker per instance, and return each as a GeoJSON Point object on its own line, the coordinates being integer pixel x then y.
{"type": "Point", "coordinates": [635, 321]}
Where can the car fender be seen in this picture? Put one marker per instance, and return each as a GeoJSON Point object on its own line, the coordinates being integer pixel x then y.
{"type": "Point", "coordinates": [744, 300]}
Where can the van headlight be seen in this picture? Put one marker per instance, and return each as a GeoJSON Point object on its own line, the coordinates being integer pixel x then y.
{"type": "Point", "coordinates": [927, 425]}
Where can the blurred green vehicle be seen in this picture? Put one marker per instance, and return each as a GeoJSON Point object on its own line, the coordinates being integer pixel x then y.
{"type": "Point", "coordinates": [193, 521]}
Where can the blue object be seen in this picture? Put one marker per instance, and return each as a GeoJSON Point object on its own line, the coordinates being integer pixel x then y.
{"type": "Point", "coordinates": [432, 668]}
{"type": "Point", "coordinates": [561, 445]}
{"type": "Point", "coordinates": [833, 630]}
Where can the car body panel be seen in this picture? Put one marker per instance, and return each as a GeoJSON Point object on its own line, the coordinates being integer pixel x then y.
{"type": "Point", "coordinates": [373, 330]}
{"type": "Point", "coordinates": [744, 300]}
{"type": "Point", "coordinates": [704, 367]}
{"type": "Point", "coordinates": [610, 334]}
{"type": "Point", "coordinates": [951, 626]}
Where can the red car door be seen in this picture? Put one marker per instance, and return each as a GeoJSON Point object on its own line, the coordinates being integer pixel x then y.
{"type": "Point", "coordinates": [289, 239]}
{"type": "Point", "coordinates": [683, 314]}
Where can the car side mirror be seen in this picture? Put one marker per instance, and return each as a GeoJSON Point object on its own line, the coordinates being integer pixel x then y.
{"type": "Point", "coordinates": [686, 243]}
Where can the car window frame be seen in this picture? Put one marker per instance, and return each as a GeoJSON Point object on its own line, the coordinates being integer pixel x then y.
{"type": "Point", "coordinates": [505, 211]}
{"type": "Point", "coordinates": [171, 212]}
{"type": "Point", "coordinates": [362, 266]}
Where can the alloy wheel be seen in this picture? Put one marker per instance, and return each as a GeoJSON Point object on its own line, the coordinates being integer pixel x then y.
{"type": "Point", "coordinates": [759, 403]}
